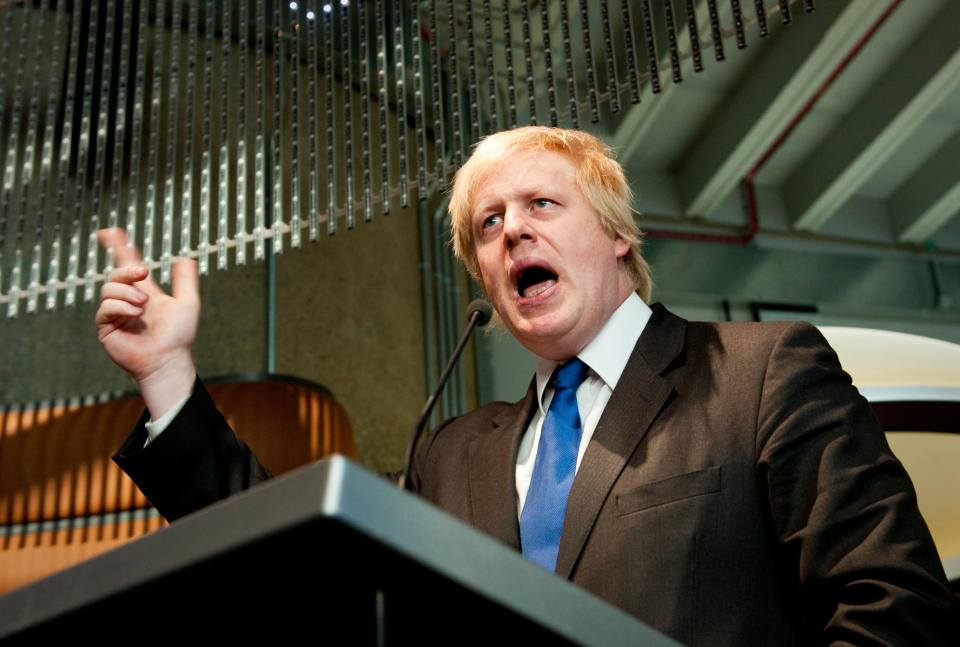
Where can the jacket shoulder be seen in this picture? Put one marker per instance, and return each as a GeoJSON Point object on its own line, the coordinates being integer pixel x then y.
{"type": "Point", "coordinates": [470, 425]}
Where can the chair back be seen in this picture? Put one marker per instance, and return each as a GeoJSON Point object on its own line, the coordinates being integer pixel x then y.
{"type": "Point", "coordinates": [63, 500]}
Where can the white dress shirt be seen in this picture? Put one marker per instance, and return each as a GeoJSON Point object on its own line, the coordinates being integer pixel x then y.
{"type": "Point", "coordinates": [606, 356]}
{"type": "Point", "coordinates": [156, 427]}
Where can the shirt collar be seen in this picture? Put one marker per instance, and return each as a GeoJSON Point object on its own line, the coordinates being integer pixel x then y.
{"type": "Point", "coordinates": [607, 354]}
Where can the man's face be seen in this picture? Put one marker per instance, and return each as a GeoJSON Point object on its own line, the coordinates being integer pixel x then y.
{"type": "Point", "coordinates": [551, 271]}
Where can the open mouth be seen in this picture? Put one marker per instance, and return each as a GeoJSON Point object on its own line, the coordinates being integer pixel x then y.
{"type": "Point", "coordinates": [534, 280]}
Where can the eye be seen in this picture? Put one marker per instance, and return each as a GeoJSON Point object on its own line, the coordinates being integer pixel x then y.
{"type": "Point", "coordinates": [542, 203]}
{"type": "Point", "coordinates": [490, 221]}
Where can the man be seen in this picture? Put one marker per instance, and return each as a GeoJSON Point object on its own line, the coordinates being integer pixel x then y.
{"type": "Point", "coordinates": [724, 483]}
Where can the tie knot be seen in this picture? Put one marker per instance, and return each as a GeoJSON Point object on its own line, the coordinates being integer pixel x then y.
{"type": "Point", "coordinates": [570, 375]}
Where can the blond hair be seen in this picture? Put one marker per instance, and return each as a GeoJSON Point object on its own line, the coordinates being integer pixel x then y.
{"type": "Point", "coordinates": [599, 177]}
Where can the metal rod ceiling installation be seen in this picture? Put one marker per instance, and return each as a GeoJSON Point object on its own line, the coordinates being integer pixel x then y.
{"type": "Point", "coordinates": [200, 125]}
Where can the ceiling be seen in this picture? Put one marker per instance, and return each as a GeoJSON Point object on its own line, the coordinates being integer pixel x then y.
{"type": "Point", "coordinates": [848, 118]}
{"type": "Point", "coordinates": [838, 132]}
{"type": "Point", "coordinates": [815, 166]}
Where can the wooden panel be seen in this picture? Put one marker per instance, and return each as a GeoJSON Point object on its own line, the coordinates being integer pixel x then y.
{"type": "Point", "coordinates": [55, 463]}
{"type": "Point", "coordinates": [28, 557]}
{"type": "Point", "coordinates": [286, 424]}
{"type": "Point", "coordinates": [56, 475]}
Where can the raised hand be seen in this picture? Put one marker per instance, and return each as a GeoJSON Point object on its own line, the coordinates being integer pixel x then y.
{"type": "Point", "coordinates": [145, 331]}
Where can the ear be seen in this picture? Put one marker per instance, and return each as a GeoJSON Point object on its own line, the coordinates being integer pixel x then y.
{"type": "Point", "coordinates": [621, 246]}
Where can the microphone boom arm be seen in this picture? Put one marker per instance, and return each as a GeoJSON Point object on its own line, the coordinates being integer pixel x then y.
{"type": "Point", "coordinates": [478, 313]}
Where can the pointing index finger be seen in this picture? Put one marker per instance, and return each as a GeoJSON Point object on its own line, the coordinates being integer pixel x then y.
{"type": "Point", "coordinates": [124, 253]}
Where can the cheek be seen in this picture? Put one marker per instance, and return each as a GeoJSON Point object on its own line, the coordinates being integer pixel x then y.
{"type": "Point", "coordinates": [498, 294]}
{"type": "Point", "coordinates": [489, 283]}
{"type": "Point", "coordinates": [490, 274]}
{"type": "Point", "coordinates": [484, 261]}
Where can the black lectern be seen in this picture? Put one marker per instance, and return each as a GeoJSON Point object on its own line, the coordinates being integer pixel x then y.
{"type": "Point", "coordinates": [329, 553]}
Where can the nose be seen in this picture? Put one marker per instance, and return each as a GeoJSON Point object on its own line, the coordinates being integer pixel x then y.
{"type": "Point", "coordinates": [517, 227]}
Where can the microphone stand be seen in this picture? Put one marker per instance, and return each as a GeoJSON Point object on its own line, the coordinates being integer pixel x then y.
{"type": "Point", "coordinates": [478, 314]}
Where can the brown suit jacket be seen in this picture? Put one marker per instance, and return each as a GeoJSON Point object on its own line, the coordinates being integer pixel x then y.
{"type": "Point", "coordinates": [737, 490]}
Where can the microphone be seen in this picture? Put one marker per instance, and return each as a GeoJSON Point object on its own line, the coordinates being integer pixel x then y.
{"type": "Point", "coordinates": [478, 314]}
{"type": "Point", "coordinates": [483, 310]}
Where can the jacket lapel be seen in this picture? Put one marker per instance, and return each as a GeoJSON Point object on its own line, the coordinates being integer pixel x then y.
{"type": "Point", "coordinates": [493, 463]}
{"type": "Point", "coordinates": [640, 395]}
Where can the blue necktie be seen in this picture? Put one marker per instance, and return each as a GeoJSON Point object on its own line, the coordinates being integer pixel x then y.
{"type": "Point", "coordinates": [541, 521]}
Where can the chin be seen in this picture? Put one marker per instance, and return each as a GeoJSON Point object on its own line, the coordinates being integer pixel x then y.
{"type": "Point", "coordinates": [540, 335]}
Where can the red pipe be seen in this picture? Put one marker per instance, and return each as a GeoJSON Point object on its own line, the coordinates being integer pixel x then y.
{"type": "Point", "coordinates": [751, 200]}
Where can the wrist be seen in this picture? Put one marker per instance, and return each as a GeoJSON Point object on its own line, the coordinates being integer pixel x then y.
{"type": "Point", "coordinates": [168, 385]}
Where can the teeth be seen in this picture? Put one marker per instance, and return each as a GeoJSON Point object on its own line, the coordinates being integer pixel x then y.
{"type": "Point", "coordinates": [534, 291]}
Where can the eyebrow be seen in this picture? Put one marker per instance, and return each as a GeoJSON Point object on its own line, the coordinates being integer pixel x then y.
{"type": "Point", "coordinates": [486, 205]}
{"type": "Point", "coordinates": [529, 192]}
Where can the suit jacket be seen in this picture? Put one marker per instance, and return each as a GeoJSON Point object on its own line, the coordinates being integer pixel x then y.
{"type": "Point", "coordinates": [737, 490]}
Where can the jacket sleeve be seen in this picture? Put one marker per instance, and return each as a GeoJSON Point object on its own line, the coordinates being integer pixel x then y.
{"type": "Point", "coordinates": [196, 461]}
{"type": "Point", "coordinates": [852, 540]}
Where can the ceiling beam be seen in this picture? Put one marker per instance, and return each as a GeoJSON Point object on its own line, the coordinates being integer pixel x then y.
{"type": "Point", "coordinates": [871, 132]}
{"type": "Point", "coordinates": [930, 197]}
{"type": "Point", "coordinates": [654, 111]}
{"type": "Point", "coordinates": [768, 98]}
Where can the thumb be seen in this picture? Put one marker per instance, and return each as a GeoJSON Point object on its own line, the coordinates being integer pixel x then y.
{"type": "Point", "coordinates": [186, 282]}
